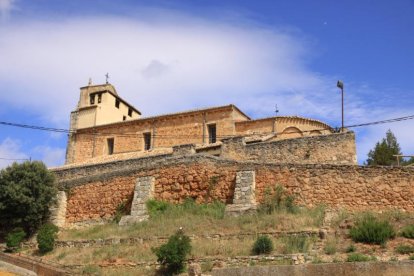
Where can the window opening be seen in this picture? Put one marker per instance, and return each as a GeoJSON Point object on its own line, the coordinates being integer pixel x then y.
{"type": "Point", "coordinates": [117, 103]}
{"type": "Point", "coordinates": [130, 112]}
{"type": "Point", "coordinates": [92, 98]}
{"type": "Point", "coordinates": [212, 138]}
{"type": "Point", "coordinates": [123, 118]}
{"type": "Point", "coordinates": [110, 142]}
{"type": "Point", "coordinates": [99, 98]}
{"type": "Point", "coordinates": [147, 141]}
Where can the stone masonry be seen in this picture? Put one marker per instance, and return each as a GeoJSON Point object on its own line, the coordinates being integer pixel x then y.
{"type": "Point", "coordinates": [244, 193]}
{"type": "Point", "coordinates": [144, 190]}
{"type": "Point", "coordinates": [58, 212]}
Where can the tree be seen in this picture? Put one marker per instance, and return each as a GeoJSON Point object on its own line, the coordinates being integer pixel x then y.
{"type": "Point", "coordinates": [27, 192]}
{"type": "Point", "coordinates": [383, 153]}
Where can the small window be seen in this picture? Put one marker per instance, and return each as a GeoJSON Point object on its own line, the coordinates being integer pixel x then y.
{"type": "Point", "coordinates": [130, 112]}
{"type": "Point", "coordinates": [110, 142]}
{"type": "Point", "coordinates": [117, 103]}
{"type": "Point", "coordinates": [123, 118]}
{"type": "Point", "coordinates": [92, 98]}
{"type": "Point", "coordinates": [212, 134]}
{"type": "Point", "coordinates": [99, 98]}
{"type": "Point", "coordinates": [147, 141]}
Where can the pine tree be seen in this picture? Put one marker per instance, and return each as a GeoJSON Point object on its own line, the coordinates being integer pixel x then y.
{"type": "Point", "coordinates": [384, 151]}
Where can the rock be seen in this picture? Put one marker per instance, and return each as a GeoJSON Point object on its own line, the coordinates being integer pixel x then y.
{"type": "Point", "coordinates": [194, 269]}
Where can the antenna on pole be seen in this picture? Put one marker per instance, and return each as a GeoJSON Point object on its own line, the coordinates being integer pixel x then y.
{"type": "Point", "coordinates": [276, 109]}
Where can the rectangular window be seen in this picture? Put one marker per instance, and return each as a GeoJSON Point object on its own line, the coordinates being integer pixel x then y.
{"type": "Point", "coordinates": [92, 98]}
{"type": "Point", "coordinates": [117, 103]}
{"type": "Point", "coordinates": [110, 142]}
{"type": "Point", "coordinates": [130, 112]}
{"type": "Point", "coordinates": [99, 98]}
{"type": "Point", "coordinates": [147, 141]}
{"type": "Point", "coordinates": [123, 118]}
{"type": "Point", "coordinates": [212, 133]}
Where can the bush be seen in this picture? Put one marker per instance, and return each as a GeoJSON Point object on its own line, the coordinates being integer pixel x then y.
{"type": "Point", "coordinates": [411, 258]}
{"type": "Point", "coordinates": [262, 245]}
{"type": "Point", "coordinates": [14, 239]}
{"type": "Point", "coordinates": [408, 231]}
{"type": "Point", "coordinates": [46, 237]}
{"type": "Point", "coordinates": [121, 210]}
{"type": "Point", "coordinates": [357, 257]}
{"type": "Point", "coordinates": [27, 192]}
{"type": "Point", "coordinates": [350, 249]}
{"type": "Point", "coordinates": [172, 254]}
{"type": "Point", "coordinates": [404, 249]}
{"type": "Point", "coordinates": [278, 200]}
{"type": "Point", "coordinates": [369, 229]}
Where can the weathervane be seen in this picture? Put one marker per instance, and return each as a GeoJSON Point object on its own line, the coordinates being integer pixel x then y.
{"type": "Point", "coordinates": [107, 78]}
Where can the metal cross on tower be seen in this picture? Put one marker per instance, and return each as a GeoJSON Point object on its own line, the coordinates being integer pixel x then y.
{"type": "Point", "coordinates": [107, 78]}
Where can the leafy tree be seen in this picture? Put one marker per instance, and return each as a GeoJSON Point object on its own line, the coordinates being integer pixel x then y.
{"type": "Point", "coordinates": [27, 191]}
{"type": "Point", "coordinates": [383, 152]}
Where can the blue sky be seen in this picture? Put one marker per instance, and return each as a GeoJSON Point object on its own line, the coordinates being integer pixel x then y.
{"type": "Point", "coordinates": [166, 56]}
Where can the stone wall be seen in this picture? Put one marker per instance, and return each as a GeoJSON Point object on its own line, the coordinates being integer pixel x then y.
{"type": "Point", "coordinates": [94, 193]}
{"type": "Point", "coordinates": [328, 149]}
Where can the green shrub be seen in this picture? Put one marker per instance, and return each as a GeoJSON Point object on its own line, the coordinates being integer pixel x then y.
{"type": "Point", "coordinates": [357, 257]}
{"type": "Point", "coordinates": [262, 245]}
{"type": "Point", "coordinates": [411, 258]}
{"type": "Point", "coordinates": [404, 249]}
{"type": "Point", "coordinates": [408, 231]}
{"type": "Point", "coordinates": [369, 229]}
{"type": "Point", "coordinates": [27, 192]}
{"type": "Point", "coordinates": [15, 238]}
{"type": "Point", "coordinates": [46, 237]}
{"type": "Point", "coordinates": [120, 212]}
{"type": "Point", "coordinates": [278, 200]}
{"type": "Point", "coordinates": [172, 254]}
{"type": "Point", "coordinates": [350, 249]}
{"type": "Point", "coordinates": [155, 207]}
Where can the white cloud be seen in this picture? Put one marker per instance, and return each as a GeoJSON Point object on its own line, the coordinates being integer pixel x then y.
{"type": "Point", "coordinates": [10, 151]}
{"type": "Point", "coordinates": [6, 6]}
{"type": "Point", "coordinates": [159, 67]}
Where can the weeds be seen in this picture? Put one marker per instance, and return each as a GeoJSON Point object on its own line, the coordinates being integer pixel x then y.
{"type": "Point", "coordinates": [330, 247]}
{"type": "Point", "coordinates": [404, 249]}
{"type": "Point", "coordinates": [357, 257]}
{"type": "Point", "coordinates": [277, 200]}
{"type": "Point", "coordinates": [296, 244]}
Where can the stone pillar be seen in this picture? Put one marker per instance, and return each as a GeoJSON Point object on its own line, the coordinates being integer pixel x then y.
{"type": "Point", "coordinates": [144, 190]}
{"type": "Point", "coordinates": [58, 211]}
{"type": "Point", "coordinates": [244, 199]}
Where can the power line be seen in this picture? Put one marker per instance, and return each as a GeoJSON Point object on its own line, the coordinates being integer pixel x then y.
{"type": "Point", "coordinates": [168, 136]}
{"type": "Point", "coordinates": [15, 159]}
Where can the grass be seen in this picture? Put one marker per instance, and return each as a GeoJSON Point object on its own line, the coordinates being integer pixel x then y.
{"type": "Point", "coordinates": [357, 257]}
{"type": "Point", "coordinates": [404, 249]}
{"type": "Point", "coordinates": [408, 231]}
{"type": "Point", "coordinates": [296, 244]}
{"type": "Point", "coordinates": [330, 247]}
{"type": "Point", "coordinates": [201, 219]}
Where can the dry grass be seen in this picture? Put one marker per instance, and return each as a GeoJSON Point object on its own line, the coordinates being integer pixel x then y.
{"type": "Point", "coordinates": [166, 223]}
